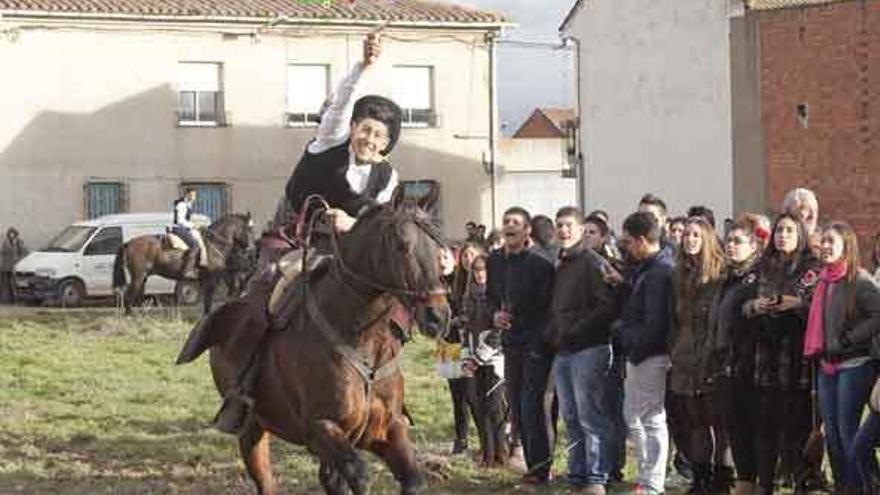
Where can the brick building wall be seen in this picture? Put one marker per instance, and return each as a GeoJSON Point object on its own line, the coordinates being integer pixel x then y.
{"type": "Point", "coordinates": [820, 86]}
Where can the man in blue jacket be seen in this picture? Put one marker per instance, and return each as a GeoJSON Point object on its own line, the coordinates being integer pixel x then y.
{"type": "Point", "coordinates": [643, 329]}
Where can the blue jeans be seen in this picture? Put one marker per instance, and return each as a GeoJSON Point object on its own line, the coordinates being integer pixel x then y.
{"type": "Point", "coordinates": [582, 382]}
{"type": "Point", "coordinates": [185, 235]}
{"type": "Point", "coordinates": [867, 439]}
{"type": "Point", "coordinates": [842, 398]}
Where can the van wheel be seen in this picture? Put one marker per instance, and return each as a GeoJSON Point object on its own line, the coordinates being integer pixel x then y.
{"type": "Point", "coordinates": [71, 293]}
{"type": "Point", "coordinates": [187, 293]}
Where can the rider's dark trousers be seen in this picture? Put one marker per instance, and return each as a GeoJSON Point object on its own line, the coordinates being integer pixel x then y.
{"type": "Point", "coordinates": [186, 236]}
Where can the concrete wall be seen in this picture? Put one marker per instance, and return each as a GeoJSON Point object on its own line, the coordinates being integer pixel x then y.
{"type": "Point", "coordinates": [530, 175]}
{"type": "Point", "coordinates": [655, 103]}
{"type": "Point", "coordinates": [749, 167]}
{"type": "Point", "coordinates": [99, 101]}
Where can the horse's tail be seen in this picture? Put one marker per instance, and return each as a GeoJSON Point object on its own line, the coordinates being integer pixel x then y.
{"type": "Point", "coordinates": [214, 328]}
{"type": "Point", "coordinates": [119, 268]}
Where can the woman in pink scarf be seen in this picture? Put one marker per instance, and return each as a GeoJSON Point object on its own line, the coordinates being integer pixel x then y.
{"type": "Point", "coordinates": [844, 320]}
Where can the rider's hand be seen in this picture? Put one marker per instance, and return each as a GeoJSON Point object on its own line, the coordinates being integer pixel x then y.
{"type": "Point", "coordinates": [372, 48]}
{"type": "Point", "coordinates": [340, 220]}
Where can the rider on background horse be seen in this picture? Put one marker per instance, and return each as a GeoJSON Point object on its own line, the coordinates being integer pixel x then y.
{"type": "Point", "coordinates": [183, 228]}
{"type": "Point", "coordinates": [346, 165]}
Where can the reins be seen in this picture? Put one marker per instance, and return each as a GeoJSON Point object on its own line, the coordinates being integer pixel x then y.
{"type": "Point", "coordinates": [368, 371]}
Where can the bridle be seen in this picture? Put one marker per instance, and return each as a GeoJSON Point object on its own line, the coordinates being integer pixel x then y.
{"type": "Point", "coordinates": [348, 275]}
{"type": "Point", "coordinates": [222, 245]}
{"type": "Point", "coordinates": [371, 372]}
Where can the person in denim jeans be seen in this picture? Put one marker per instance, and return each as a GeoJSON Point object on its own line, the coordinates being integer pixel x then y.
{"type": "Point", "coordinates": [580, 317]}
{"type": "Point", "coordinates": [867, 440]}
{"type": "Point", "coordinates": [643, 329]}
{"type": "Point", "coordinates": [844, 319]}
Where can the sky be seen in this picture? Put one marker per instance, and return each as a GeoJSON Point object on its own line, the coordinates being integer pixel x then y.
{"type": "Point", "coordinates": [530, 77]}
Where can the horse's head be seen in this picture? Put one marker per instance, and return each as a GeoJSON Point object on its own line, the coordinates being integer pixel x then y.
{"type": "Point", "coordinates": [236, 229]}
{"type": "Point", "coordinates": [394, 249]}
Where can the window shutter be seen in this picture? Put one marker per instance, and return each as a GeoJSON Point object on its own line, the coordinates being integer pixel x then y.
{"type": "Point", "coordinates": [306, 88]}
{"type": "Point", "coordinates": [198, 76]}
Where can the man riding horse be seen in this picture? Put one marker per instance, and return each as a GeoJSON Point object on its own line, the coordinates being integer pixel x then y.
{"type": "Point", "coordinates": [346, 165]}
{"type": "Point", "coordinates": [183, 228]}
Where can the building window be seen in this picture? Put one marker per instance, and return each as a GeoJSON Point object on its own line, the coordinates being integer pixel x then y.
{"type": "Point", "coordinates": [200, 95]}
{"type": "Point", "coordinates": [212, 198]}
{"type": "Point", "coordinates": [803, 115]}
{"type": "Point", "coordinates": [104, 198]}
{"type": "Point", "coordinates": [307, 90]}
{"type": "Point", "coordinates": [413, 91]}
{"type": "Point", "coordinates": [417, 190]}
{"type": "Point", "coordinates": [106, 242]}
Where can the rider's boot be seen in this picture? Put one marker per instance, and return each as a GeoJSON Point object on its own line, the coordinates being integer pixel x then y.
{"type": "Point", "coordinates": [238, 401]}
{"type": "Point", "coordinates": [190, 258]}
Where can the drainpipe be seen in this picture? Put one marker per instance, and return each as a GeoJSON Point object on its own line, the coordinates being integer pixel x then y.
{"type": "Point", "coordinates": [493, 104]}
{"type": "Point", "coordinates": [581, 167]}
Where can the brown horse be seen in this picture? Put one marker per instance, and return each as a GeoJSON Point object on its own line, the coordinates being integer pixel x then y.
{"type": "Point", "coordinates": [331, 380]}
{"type": "Point", "coordinates": [148, 255]}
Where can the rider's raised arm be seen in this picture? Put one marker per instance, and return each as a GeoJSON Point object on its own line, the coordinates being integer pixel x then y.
{"type": "Point", "coordinates": [336, 121]}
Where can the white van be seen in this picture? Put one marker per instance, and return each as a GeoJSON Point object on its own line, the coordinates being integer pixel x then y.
{"type": "Point", "coordinates": [78, 262]}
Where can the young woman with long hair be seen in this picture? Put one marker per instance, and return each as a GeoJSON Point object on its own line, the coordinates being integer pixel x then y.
{"type": "Point", "coordinates": [844, 319]}
{"type": "Point", "coordinates": [698, 277]}
{"type": "Point", "coordinates": [778, 316]}
{"type": "Point", "coordinates": [463, 389]}
{"type": "Point", "coordinates": [875, 257]}
{"type": "Point", "coordinates": [486, 364]}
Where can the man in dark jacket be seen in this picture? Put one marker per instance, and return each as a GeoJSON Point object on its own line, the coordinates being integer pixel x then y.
{"type": "Point", "coordinates": [643, 330]}
{"type": "Point", "coordinates": [581, 316]}
{"type": "Point", "coordinates": [520, 287]}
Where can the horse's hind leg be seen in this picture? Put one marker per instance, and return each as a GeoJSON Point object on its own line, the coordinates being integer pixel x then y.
{"type": "Point", "coordinates": [253, 443]}
{"type": "Point", "coordinates": [332, 480]}
{"type": "Point", "coordinates": [328, 440]}
{"type": "Point", "coordinates": [398, 453]}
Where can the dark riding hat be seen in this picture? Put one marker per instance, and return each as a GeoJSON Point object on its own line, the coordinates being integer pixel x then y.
{"type": "Point", "coordinates": [382, 109]}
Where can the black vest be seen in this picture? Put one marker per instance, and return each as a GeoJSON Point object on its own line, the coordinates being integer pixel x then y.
{"type": "Point", "coordinates": [188, 211]}
{"type": "Point", "coordinates": [324, 174]}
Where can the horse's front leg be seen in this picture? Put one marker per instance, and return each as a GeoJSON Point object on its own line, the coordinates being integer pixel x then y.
{"type": "Point", "coordinates": [328, 441]}
{"type": "Point", "coordinates": [208, 286]}
{"type": "Point", "coordinates": [253, 443]}
{"type": "Point", "coordinates": [398, 454]}
{"type": "Point", "coordinates": [332, 480]}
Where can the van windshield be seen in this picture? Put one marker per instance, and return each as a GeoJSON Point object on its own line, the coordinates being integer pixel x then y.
{"type": "Point", "coordinates": [71, 239]}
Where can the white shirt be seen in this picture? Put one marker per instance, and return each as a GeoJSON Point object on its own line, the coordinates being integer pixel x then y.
{"type": "Point", "coordinates": [181, 208]}
{"type": "Point", "coordinates": [334, 130]}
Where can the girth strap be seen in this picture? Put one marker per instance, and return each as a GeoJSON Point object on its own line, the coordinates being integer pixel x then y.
{"type": "Point", "coordinates": [354, 357]}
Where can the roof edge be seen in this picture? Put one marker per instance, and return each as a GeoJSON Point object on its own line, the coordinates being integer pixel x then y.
{"type": "Point", "coordinates": [750, 4]}
{"type": "Point", "coordinates": [571, 13]}
{"type": "Point", "coordinates": [277, 20]}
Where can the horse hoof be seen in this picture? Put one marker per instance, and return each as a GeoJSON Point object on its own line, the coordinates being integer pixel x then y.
{"type": "Point", "coordinates": [415, 484]}
{"type": "Point", "coordinates": [357, 473]}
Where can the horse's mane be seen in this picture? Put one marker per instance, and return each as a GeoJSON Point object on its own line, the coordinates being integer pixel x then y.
{"type": "Point", "coordinates": [230, 218]}
{"type": "Point", "coordinates": [397, 216]}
